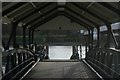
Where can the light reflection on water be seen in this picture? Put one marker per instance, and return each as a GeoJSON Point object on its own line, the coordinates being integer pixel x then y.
{"type": "Point", "coordinates": [63, 52]}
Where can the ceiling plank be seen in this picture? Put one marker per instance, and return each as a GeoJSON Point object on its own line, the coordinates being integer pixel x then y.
{"type": "Point", "coordinates": [45, 20]}
{"type": "Point", "coordinates": [81, 16]}
{"type": "Point", "coordinates": [48, 12]}
{"type": "Point", "coordinates": [77, 20]}
{"type": "Point", "coordinates": [94, 15]}
{"type": "Point", "coordinates": [105, 4]}
{"type": "Point", "coordinates": [10, 9]}
{"type": "Point", "coordinates": [36, 10]}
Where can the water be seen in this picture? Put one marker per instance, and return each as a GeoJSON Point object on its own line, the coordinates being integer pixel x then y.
{"type": "Point", "coordinates": [63, 52]}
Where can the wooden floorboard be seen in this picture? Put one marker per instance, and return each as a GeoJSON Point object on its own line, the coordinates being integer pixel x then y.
{"type": "Point", "coordinates": [61, 70]}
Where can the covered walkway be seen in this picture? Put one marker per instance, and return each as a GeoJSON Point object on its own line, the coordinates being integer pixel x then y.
{"type": "Point", "coordinates": [29, 28]}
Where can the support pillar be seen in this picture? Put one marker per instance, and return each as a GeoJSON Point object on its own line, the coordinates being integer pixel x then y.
{"type": "Point", "coordinates": [89, 39]}
{"type": "Point", "coordinates": [14, 24]}
{"type": "Point", "coordinates": [32, 32]}
{"type": "Point", "coordinates": [29, 38]}
{"type": "Point", "coordinates": [92, 38]}
{"type": "Point", "coordinates": [73, 49]}
{"type": "Point", "coordinates": [98, 37]}
{"type": "Point", "coordinates": [108, 37]}
{"type": "Point", "coordinates": [3, 44]}
{"type": "Point", "coordinates": [80, 51]}
{"type": "Point", "coordinates": [10, 38]}
{"type": "Point", "coordinates": [119, 39]}
{"type": "Point", "coordinates": [86, 53]}
{"type": "Point", "coordinates": [75, 54]}
{"type": "Point", "coordinates": [24, 36]}
{"type": "Point", "coordinates": [32, 38]}
{"type": "Point", "coordinates": [47, 52]}
{"type": "Point", "coordinates": [110, 33]}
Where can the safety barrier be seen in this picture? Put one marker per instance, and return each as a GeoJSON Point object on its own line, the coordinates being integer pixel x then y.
{"type": "Point", "coordinates": [17, 62]}
{"type": "Point", "coordinates": [106, 62]}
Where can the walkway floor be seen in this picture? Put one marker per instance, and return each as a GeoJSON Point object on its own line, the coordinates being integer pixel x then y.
{"type": "Point", "coordinates": [62, 70]}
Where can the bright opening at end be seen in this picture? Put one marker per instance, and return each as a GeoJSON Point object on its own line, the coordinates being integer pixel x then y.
{"type": "Point", "coordinates": [64, 52]}
{"type": "Point", "coordinates": [60, 52]}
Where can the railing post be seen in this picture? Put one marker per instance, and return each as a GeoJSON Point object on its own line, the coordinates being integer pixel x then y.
{"type": "Point", "coordinates": [19, 58]}
{"type": "Point", "coordinates": [7, 67]}
{"type": "Point", "coordinates": [12, 61]}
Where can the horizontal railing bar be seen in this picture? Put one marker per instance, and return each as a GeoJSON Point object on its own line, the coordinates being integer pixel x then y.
{"type": "Point", "coordinates": [24, 69]}
{"type": "Point", "coordinates": [105, 66]}
{"type": "Point", "coordinates": [17, 67]}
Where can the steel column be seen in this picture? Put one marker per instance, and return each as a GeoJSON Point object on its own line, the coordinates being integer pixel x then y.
{"type": "Point", "coordinates": [89, 39]}
{"type": "Point", "coordinates": [47, 48]}
{"type": "Point", "coordinates": [92, 40]}
{"type": "Point", "coordinates": [81, 51]}
{"type": "Point", "coordinates": [10, 38]}
{"type": "Point", "coordinates": [108, 37]}
{"type": "Point", "coordinates": [14, 37]}
{"type": "Point", "coordinates": [29, 38]}
{"type": "Point", "coordinates": [4, 46]}
{"type": "Point", "coordinates": [98, 37]}
{"type": "Point", "coordinates": [47, 52]}
{"type": "Point", "coordinates": [73, 49]}
{"type": "Point", "coordinates": [86, 51]}
{"type": "Point", "coordinates": [24, 36]}
{"type": "Point", "coordinates": [110, 33]}
{"type": "Point", "coordinates": [14, 34]}
{"type": "Point", "coordinates": [32, 32]}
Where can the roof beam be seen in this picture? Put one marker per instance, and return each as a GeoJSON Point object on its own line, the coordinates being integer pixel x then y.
{"type": "Point", "coordinates": [10, 9]}
{"type": "Point", "coordinates": [36, 10]}
{"type": "Point", "coordinates": [48, 12]}
{"type": "Point", "coordinates": [94, 15]}
{"type": "Point", "coordinates": [96, 25]}
{"type": "Point", "coordinates": [105, 4]}
{"type": "Point", "coordinates": [45, 20]}
{"type": "Point", "coordinates": [76, 20]}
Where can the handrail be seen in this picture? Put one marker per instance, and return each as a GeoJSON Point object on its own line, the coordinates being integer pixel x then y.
{"type": "Point", "coordinates": [105, 61]}
{"type": "Point", "coordinates": [16, 60]}
{"type": "Point", "coordinates": [16, 49]}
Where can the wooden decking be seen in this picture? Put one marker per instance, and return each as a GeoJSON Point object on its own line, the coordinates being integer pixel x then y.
{"type": "Point", "coordinates": [61, 70]}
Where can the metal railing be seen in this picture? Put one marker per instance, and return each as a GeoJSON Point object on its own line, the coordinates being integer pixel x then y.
{"type": "Point", "coordinates": [41, 52]}
{"type": "Point", "coordinates": [16, 63]}
{"type": "Point", "coordinates": [106, 62]}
